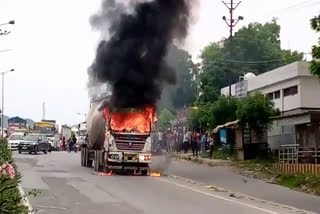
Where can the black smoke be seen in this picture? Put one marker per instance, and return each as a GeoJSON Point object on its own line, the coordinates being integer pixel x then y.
{"type": "Point", "coordinates": [132, 61]}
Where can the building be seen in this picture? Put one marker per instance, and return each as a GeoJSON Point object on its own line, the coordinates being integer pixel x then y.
{"type": "Point", "coordinates": [296, 93]}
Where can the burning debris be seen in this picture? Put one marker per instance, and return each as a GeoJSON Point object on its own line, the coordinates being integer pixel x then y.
{"type": "Point", "coordinates": [132, 61]}
{"type": "Point", "coordinates": [155, 174]}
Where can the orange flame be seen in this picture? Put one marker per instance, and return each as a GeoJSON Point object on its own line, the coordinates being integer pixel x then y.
{"type": "Point", "coordinates": [133, 121]}
{"type": "Point", "coordinates": [105, 173]}
{"type": "Point", "coordinates": [155, 174]}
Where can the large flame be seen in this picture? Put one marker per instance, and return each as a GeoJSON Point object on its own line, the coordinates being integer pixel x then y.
{"type": "Point", "coordinates": [131, 121]}
{"type": "Point", "coordinates": [155, 174]}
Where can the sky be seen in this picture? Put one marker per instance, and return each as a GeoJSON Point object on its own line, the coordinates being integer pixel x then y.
{"type": "Point", "coordinates": [52, 44]}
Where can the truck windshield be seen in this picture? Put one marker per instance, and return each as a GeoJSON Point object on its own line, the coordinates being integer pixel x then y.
{"type": "Point", "coordinates": [130, 120]}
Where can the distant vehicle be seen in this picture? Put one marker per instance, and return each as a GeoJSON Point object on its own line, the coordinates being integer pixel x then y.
{"type": "Point", "coordinates": [34, 143]}
{"type": "Point", "coordinates": [14, 140]}
{"type": "Point", "coordinates": [48, 128]}
{"type": "Point", "coordinates": [82, 133]}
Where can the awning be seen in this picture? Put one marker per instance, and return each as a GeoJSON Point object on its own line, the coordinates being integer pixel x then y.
{"type": "Point", "coordinates": [232, 124]}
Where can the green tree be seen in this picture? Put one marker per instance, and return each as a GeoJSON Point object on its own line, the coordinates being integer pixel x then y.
{"type": "Point", "coordinates": [256, 48]}
{"type": "Point", "coordinates": [223, 111]}
{"type": "Point", "coordinates": [210, 115]}
{"type": "Point", "coordinates": [315, 64]}
{"type": "Point", "coordinates": [164, 118]}
{"type": "Point", "coordinates": [255, 112]}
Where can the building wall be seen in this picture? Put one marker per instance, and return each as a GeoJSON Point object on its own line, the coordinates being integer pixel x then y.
{"type": "Point", "coordinates": [281, 135]}
{"type": "Point", "coordinates": [310, 97]}
{"type": "Point", "coordinates": [283, 103]}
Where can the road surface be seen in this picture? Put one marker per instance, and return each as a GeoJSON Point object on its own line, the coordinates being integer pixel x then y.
{"type": "Point", "coordinates": [66, 187]}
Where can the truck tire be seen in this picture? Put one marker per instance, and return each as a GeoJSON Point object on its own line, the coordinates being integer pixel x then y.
{"type": "Point", "coordinates": [99, 161]}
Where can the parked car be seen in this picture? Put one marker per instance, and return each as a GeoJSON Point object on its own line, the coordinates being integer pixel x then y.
{"type": "Point", "coordinates": [14, 140]}
{"type": "Point", "coordinates": [34, 143]}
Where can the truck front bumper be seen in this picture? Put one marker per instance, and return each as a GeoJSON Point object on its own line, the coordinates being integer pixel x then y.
{"type": "Point", "coordinates": [128, 160]}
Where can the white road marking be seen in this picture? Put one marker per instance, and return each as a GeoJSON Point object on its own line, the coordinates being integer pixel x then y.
{"type": "Point", "coordinates": [25, 199]}
{"type": "Point", "coordinates": [219, 197]}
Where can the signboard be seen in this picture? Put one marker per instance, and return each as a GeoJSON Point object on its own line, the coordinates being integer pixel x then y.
{"type": "Point", "coordinates": [223, 136]}
{"type": "Point", "coordinates": [246, 136]}
{"type": "Point", "coordinates": [241, 89]}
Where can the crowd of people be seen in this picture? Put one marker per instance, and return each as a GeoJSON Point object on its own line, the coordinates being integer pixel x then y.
{"type": "Point", "coordinates": [182, 140]}
{"type": "Point", "coordinates": [69, 144]}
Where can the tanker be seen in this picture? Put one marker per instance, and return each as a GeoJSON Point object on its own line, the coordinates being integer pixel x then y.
{"type": "Point", "coordinates": [119, 139]}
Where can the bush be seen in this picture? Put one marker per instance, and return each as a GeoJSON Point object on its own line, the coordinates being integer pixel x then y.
{"type": "Point", "coordinates": [10, 198]}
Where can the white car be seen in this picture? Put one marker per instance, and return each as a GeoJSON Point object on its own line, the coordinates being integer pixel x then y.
{"type": "Point", "coordinates": [14, 140]}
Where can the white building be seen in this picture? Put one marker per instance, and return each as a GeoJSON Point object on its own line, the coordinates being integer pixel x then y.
{"type": "Point", "coordinates": [295, 92]}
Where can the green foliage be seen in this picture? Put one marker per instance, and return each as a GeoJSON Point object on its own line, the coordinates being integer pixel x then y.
{"type": "Point", "coordinates": [256, 112]}
{"type": "Point", "coordinates": [218, 113]}
{"type": "Point", "coordinates": [224, 110]}
{"type": "Point", "coordinates": [5, 152]}
{"type": "Point", "coordinates": [315, 64]}
{"type": "Point", "coordinates": [164, 119]}
{"type": "Point", "coordinates": [255, 42]}
{"type": "Point", "coordinates": [10, 198]}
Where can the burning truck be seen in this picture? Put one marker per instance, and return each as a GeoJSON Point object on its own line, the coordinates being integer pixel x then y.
{"type": "Point", "coordinates": [131, 59]}
{"type": "Point", "coordinates": [119, 139]}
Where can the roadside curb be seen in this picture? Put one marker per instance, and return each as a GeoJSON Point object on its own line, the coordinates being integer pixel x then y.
{"type": "Point", "coordinates": [25, 200]}
{"type": "Point", "coordinates": [204, 161]}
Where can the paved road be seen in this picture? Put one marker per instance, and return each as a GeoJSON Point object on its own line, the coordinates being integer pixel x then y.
{"type": "Point", "coordinates": [229, 180]}
{"type": "Point", "coordinates": [66, 187]}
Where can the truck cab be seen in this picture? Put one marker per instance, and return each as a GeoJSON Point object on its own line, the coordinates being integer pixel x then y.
{"type": "Point", "coordinates": [128, 139]}
{"type": "Point", "coordinates": [118, 140]}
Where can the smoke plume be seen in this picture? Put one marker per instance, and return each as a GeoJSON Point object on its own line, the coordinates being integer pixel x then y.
{"type": "Point", "coordinates": [132, 60]}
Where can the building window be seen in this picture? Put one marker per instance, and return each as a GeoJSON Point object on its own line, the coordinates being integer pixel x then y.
{"type": "Point", "coordinates": [290, 91]}
{"type": "Point", "coordinates": [277, 95]}
{"type": "Point", "coordinates": [270, 96]}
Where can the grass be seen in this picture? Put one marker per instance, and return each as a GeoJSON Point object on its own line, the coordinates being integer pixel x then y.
{"type": "Point", "coordinates": [264, 169]}
{"type": "Point", "coordinates": [223, 154]}
{"type": "Point", "coordinates": [306, 183]}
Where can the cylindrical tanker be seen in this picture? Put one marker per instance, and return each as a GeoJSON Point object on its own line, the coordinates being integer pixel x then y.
{"type": "Point", "coordinates": [96, 125]}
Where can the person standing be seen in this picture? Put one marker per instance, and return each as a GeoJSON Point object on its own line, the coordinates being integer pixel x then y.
{"type": "Point", "coordinates": [74, 143]}
{"type": "Point", "coordinates": [203, 144]}
{"type": "Point", "coordinates": [186, 140]}
{"type": "Point", "coordinates": [211, 144]}
{"type": "Point", "coordinates": [179, 142]}
{"type": "Point", "coordinates": [194, 144]}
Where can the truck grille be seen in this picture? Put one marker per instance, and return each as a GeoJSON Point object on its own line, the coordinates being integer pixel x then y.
{"type": "Point", "coordinates": [130, 146]}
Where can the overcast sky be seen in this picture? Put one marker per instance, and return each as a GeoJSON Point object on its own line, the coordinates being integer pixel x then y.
{"type": "Point", "coordinates": [53, 44]}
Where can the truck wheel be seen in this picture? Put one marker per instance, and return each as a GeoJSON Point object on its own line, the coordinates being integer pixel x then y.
{"type": "Point", "coordinates": [19, 151]}
{"type": "Point", "coordinates": [82, 157]}
{"type": "Point", "coordinates": [90, 163]}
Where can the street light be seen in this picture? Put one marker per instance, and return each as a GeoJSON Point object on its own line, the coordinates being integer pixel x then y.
{"type": "Point", "coordinates": [85, 115]}
{"type": "Point", "coordinates": [12, 22]}
{"type": "Point", "coordinates": [2, 112]}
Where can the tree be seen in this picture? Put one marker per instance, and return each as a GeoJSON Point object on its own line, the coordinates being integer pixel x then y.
{"type": "Point", "coordinates": [255, 112]}
{"type": "Point", "coordinates": [223, 111]}
{"type": "Point", "coordinates": [256, 48]}
{"type": "Point", "coordinates": [183, 93]}
{"type": "Point", "coordinates": [211, 115]}
{"type": "Point", "coordinates": [164, 119]}
{"type": "Point", "coordinates": [315, 64]}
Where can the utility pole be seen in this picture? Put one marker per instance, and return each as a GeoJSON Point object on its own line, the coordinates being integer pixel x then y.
{"type": "Point", "coordinates": [43, 111]}
{"type": "Point", "coordinates": [2, 110]}
{"type": "Point", "coordinates": [231, 24]}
